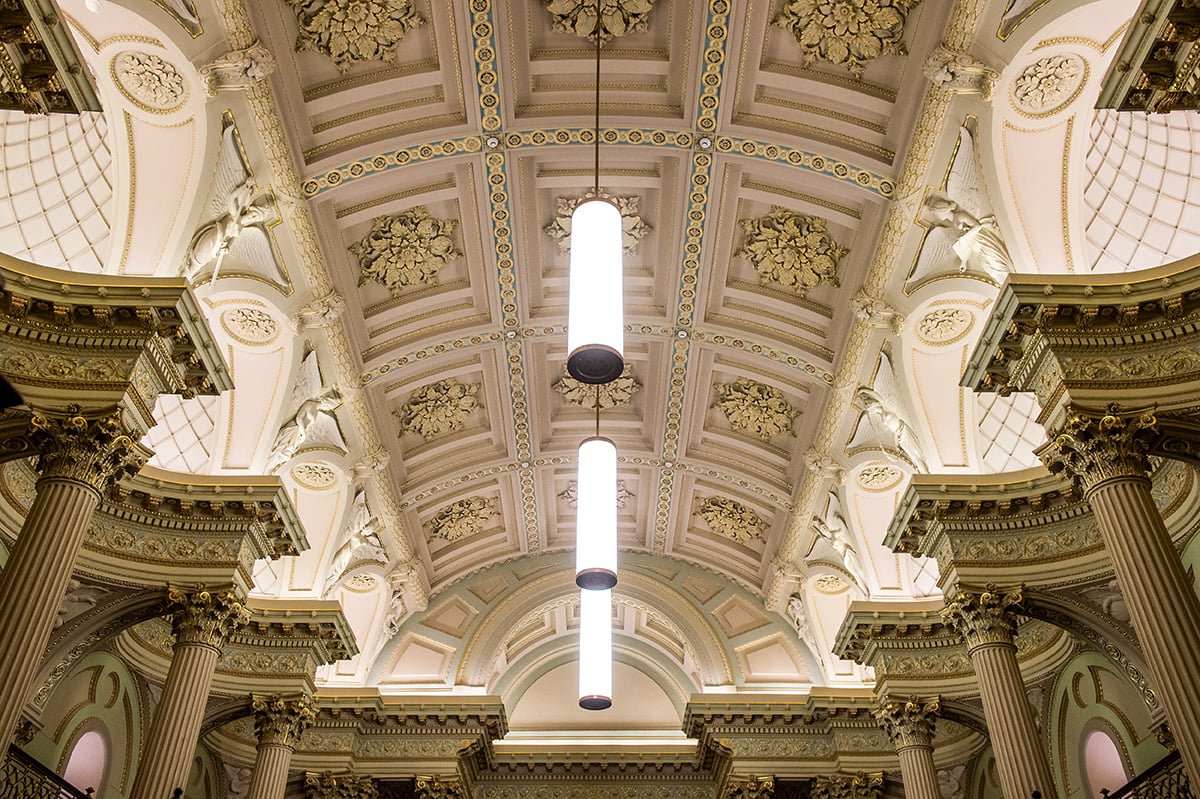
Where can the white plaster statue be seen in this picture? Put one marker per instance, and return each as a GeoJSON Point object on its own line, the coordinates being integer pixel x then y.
{"type": "Point", "coordinates": [211, 243]}
{"type": "Point", "coordinates": [834, 530]}
{"type": "Point", "coordinates": [313, 421]}
{"type": "Point", "coordinates": [886, 422]}
{"type": "Point", "coordinates": [877, 313]}
{"type": "Point", "coordinates": [797, 614]}
{"type": "Point", "coordinates": [362, 542]}
{"type": "Point", "coordinates": [319, 312]}
{"type": "Point", "coordinates": [977, 240]}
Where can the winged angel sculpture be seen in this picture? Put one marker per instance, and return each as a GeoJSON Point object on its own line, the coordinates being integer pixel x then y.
{"type": "Point", "coordinates": [835, 532]}
{"type": "Point", "coordinates": [882, 421]}
{"type": "Point", "coordinates": [964, 235]}
{"type": "Point", "coordinates": [237, 218]}
{"type": "Point", "coordinates": [312, 422]}
{"type": "Point", "coordinates": [361, 543]}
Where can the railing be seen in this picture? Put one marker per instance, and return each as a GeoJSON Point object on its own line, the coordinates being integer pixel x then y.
{"type": "Point", "coordinates": [1166, 779]}
{"type": "Point", "coordinates": [22, 777]}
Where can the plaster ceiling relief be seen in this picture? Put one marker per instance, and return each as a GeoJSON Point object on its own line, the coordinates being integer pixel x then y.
{"type": "Point", "coordinates": [1049, 84]}
{"type": "Point", "coordinates": [731, 519]}
{"type": "Point", "coordinates": [149, 81]}
{"type": "Point", "coordinates": [617, 17]}
{"type": "Point", "coordinates": [464, 518]}
{"type": "Point", "coordinates": [633, 227]}
{"type": "Point", "coordinates": [846, 33]}
{"type": "Point", "coordinates": [570, 494]}
{"type": "Point", "coordinates": [249, 325]}
{"type": "Point", "coordinates": [791, 250]}
{"type": "Point", "coordinates": [756, 409]}
{"type": "Point", "coordinates": [354, 31]}
{"type": "Point", "coordinates": [608, 395]}
{"type": "Point", "coordinates": [406, 249]}
{"type": "Point", "coordinates": [438, 408]}
{"type": "Point", "coordinates": [878, 477]}
{"type": "Point", "coordinates": [941, 327]}
{"type": "Point", "coordinates": [314, 476]}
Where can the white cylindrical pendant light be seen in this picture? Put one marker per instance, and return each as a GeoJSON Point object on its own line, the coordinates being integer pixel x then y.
{"type": "Point", "coordinates": [595, 650]}
{"type": "Point", "coordinates": [596, 520]}
{"type": "Point", "coordinates": [596, 321]}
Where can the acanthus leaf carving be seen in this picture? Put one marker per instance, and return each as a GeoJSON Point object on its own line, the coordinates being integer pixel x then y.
{"type": "Point", "coordinates": [464, 518]}
{"type": "Point", "coordinates": [732, 520]}
{"type": "Point", "coordinates": [407, 249]}
{"type": "Point", "coordinates": [755, 408]}
{"type": "Point", "coordinates": [633, 227]}
{"type": "Point", "coordinates": [98, 452]}
{"type": "Point", "coordinates": [353, 31]}
{"type": "Point", "coordinates": [1093, 448]}
{"type": "Point", "coordinates": [846, 33]}
{"type": "Point", "coordinates": [438, 408]}
{"type": "Point", "coordinates": [280, 720]}
{"type": "Point", "coordinates": [908, 722]}
{"type": "Point", "coordinates": [609, 395]}
{"type": "Point", "coordinates": [571, 497]}
{"type": "Point", "coordinates": [237, 69]}
{"type": "Point", "coordinates": [206, 617]}
{"type": "Point", "coordinates": [960, 73]}
{"type": "Point", "coordinates": [617, 17]}
{"type": "Point", "coordinates": [984, 617]}
{"type": "Point", "coordinates": [792, 250]}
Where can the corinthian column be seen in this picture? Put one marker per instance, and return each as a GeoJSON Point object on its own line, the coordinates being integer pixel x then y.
{"type": "Point", "coordinates": [986, 621]}
{"type": "Point", "coordinates": [1106, 454]}
{"type": "Point", "coordinates": [203, 620]}
{"type": "Point", "coordinates": [909, 725]}
{"type": "Point", "coordinates": [278, 723]}
{"type": "Point", "coordinates": [79, 459]}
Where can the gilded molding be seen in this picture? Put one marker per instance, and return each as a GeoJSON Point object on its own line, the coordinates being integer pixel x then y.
{"type": "Point", "coordinates": [98, 452]}
{"type": "Point", "coordinates": [848, 786]}
{"type": "Point", "coordinates": [327, 785]}
{"type": "Point", "coordinates": [909, 723]}
{"type": "Point", "coordinates": [439, 788]}
{"type": "Point", "coordinates": [279, 721]}
{"type": "Point", "coordinates": [750, 788]}
{"type": "Point", "coordinates": [1093, 448]}
{"type": "Point", "coordinates": [985, 618]}
{"type": "Point", "coordinates": [206, 617]}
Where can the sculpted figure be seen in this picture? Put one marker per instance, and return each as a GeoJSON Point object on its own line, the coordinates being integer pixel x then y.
{"type": "Point", "coordinates": [960, 73]}
{"type": "Point", "coordinates": [212, 241]}
{"type": "Point", "coordinates": [836, 532]}
{"type": "Point", "coordinates": [313, 420]}
{"type": "Point", "coordinates": [977, 241]}
{"type": "Point", "coordinates": [362, 542]}
{"type": "Point", "coordinates": [887, 423]}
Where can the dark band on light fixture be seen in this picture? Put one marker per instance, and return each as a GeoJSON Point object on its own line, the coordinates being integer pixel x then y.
{"type": "Point", "coordinates": [596, 579]}
{"type": "Point", "coordinates": [595, 364]}
{"type": "Point", "coordinates": [595, 702]}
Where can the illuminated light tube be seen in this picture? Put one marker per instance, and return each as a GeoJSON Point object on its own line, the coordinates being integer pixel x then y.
{"type": "Point", "coordinates": [596, 517]}
{"type": "Point", "coordinates": [596, 313]}
{"type": "Point", "coordinates": [595, 650]}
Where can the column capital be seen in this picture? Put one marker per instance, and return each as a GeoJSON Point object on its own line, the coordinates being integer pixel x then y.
{"type": "Point", "coordinates": [1094, 446]}
{"type": "Point", "coordinates": [909, 722]}
{"type": "Point", "coordinates": [280, 720]}
{"type": "Point", "coordinates": [985, 617]}
{"type": "Point", "coordinates": [750, 788]}
{"type": "Point", "coordinates": [327, 785]}
{"type": "Point", "coordinates": [848, 786]}
{"type": "Point", "coordinates": [95, 451]}
{"type": "Point", "coordinates": [206, 617]}
{"type": "Point", "coordinates": [439, 788]}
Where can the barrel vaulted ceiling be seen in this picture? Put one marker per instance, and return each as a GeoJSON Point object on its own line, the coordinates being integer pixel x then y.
{"type": "Point", "coordinates": [411, 166]}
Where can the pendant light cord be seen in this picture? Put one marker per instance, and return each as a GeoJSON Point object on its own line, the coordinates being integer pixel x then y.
{"type": "Point", "coordinates": [597, 411]}
{"type": "Point", "coordinates": [596, 186]}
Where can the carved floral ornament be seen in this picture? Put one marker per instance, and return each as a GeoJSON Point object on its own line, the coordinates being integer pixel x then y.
{"type": "Point", "coordinates": [249, 325]}
{"type": "Point", "coordinates": [610, 395]}
{"type": "Point", "coordinates": [351, 31]}
{"type": "Point", "coordinates": [438, 408]}
{"type": "Point", "coordinates": [633, 227]}
{"type": "Point", "coordinates": [846, 33]}
{"type": "Point", "coordinates": [407, 249]}
{"type": "Point", "coordinates": [732, 520]}
{"type": "Point", "coordinates": [617, 17]}
{"type": "Point", "coordinates": [755, 408]}
{"type": "Point", "coordinates": [879, 477]}
{"type": "Point", "coordinates": [149, 81]}
{"type": "Point", "coordinates": [1048, 84]}
{"type": "Point", "coordinates": [943, 326]}
{"type": "Point", "coordinates": [570, 494]}
{"type": "Point", "coordinates": [464, 518]}
{"type": "Point", "coordinates": [791, 250]}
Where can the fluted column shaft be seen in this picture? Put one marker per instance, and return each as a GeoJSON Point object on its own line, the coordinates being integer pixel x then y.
{"type": "Point", "coordinates": [278, 723]}
{"type": "Point", "coordinates": [270, 772]}
{"type": "Point", "coordinates": [986, 623]}
{"type": "Point", "coordinates": [909, 725]}
{"type": "Point", "coordinates": [33, 583]}
{"type": "Point", "coordinates": [202, 622]}
{"type": "Point", "coordinates": [1106, 453]}
{"type": "Point", "coordinates": [1163, 608]}
{"type": "Point", "coordinates": [79, 458]}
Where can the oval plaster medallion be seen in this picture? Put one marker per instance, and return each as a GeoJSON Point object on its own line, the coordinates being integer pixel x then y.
{"type": "Point", "coordinates": [879, 477]}
{"type": "Point", "coordinates": [830, 584]}
{"type": "Point", "coordinates": [315, 476]}
{"type": "Point", "coordinates": [943, 326]}
{"type": "Point", "coordinates": [250, 326]}
{"type": "Point", "coordinates": [148, 81]}
{"type": "Point", "coordinates": [360, 583]}
{"type": "Point", "coordinates": [1048, 84]}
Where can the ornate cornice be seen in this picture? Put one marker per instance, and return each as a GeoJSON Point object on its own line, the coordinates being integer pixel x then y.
{"type": "Point", "coordinates": [278, 720]}
{"type": "Point", "coordinates": [909, 722]}
{"type": "Point", "coordinates": [985, 618]}
{"type": "Point", "coordinates": [205, 617]}
{"type": "Point", "coordinates": [98, 452]}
